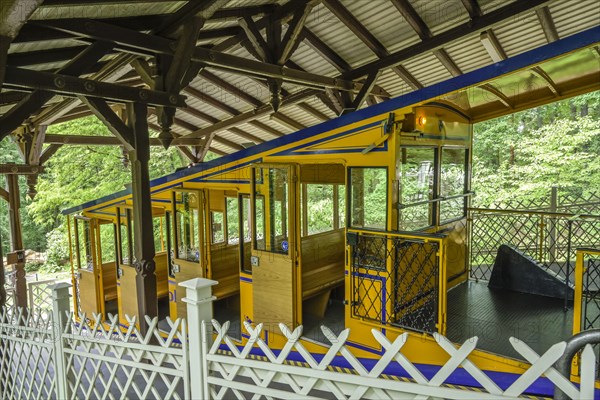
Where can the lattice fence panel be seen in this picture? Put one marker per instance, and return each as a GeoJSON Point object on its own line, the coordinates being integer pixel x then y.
{"type": "Point", "coordinates": [105, 362]}
{"type": "Point", "coordinates": [551, 241]}
{"type": "Point", "coordinates": [40, 295]}
{"type": "Point", "coordinates": [238, 374]}
{"type": "Point", "coordinates": [10, 284]}
{"type": "Point", "coordinates": [27, 368]}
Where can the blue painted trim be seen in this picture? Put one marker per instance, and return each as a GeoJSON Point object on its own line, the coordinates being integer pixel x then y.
{"type": "Point", "coordinates": [541, 387]}
{"type": "Point", "coordinates": [543, 53]}
{"type": "Point", "coordinates": [243, 279]}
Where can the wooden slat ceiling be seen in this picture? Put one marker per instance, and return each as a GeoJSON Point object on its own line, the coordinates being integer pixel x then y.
{"type": "Point", "coordinates": [329, 50]}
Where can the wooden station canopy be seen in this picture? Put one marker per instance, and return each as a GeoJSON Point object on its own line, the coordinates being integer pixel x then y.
{"type": "Point", "coordinates": [221, 75]}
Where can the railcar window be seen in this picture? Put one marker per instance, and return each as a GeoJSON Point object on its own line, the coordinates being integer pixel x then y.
{"type": "Point", "coordinates": [217, 223]}
{"type": "Point", "coordinates": [341, 208]}
{"type": "Point", "coordinates": [125, 237]}
{"type": "Point", "coordinates": [259, 222]}
{"type": "Point", "coordinates": [187, 227]}
{"type": "Point", "coordinates": [453, 184]}
{"type": "Point", "coordinates": [319, 204]}
{"type": "Point", "coordinates": [246, 232]}
{"type": "Point", "coordinates": [233, 220]}
{"type": "Point", "coordinates": [159, 233]}
{"type": "Point", "coordinates": [271, 201]}
{"type": "Point", "coordinates": [416, 187]}
{"type": "Point", "coordinates": [368, 198]}
{"type": "Point", "coordinates": [84, 242]}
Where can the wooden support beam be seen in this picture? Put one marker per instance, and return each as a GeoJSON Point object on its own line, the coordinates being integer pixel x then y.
{"type": "Point", "coordinates": [228, 87]}
{"type": "Point", "coordinates": [211, 100]}
{"type": "Point", "coordinates": [472, 8]}
{"type": "Point", "coordinates": [34, 147]}
{"type": "Point", "coordinates": [204, 9]}
{"type": "Point", "coordinates": [49, 152]}
{"type": "Point", "coordinates": [366, 89]}
{"type": "Point", "coordinates": [313, 111]}
{"type": "Point", "coordinates": [246, 135]}
{"type": "Point", "coordinates": [111, 120]}
{"type": "Point", "coordinates": [266, 128]}
{"type": "Point", "coordinates": [137, 43]}
{"type": "Point", "coordinates": [413, 18]}
{"type": "Point", "coordinates": [87, 140]}
{"type": "Point", "coordinates": [3, 195]}
{"type": "Point", "coordinates": [16, 236]}
{"type": "Point", "coordinates": [328, 103]}
{"type": "Point", "coordinates": [315, 43]}
{"type": "Point", "coordinates": [287, 121]}
{"type": "Point", "coordinates": [447, 62]}
{"type": "Point", "coordinates": [439, 40]}
{"type": "Point", "coordinates": [547, 23]}
{"type": "Point", "coordinates": [407, 77]}
{"type": "Point", "coordinates": [291, 39]}
{"type": "Point", "coordinates": [72, 87]}
{"type": "Point", "coordinates": [258, 42]}
{"type": "Point", "coordinates": [20, 169]}
{"type": "Point", "coordinates": [142, 215]}
{"type": "Point", "coordinates": [342, 13]}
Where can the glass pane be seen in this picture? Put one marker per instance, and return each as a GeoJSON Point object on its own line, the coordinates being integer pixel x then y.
{"type": "Point", "coordinates": [341, 205]}
{"type": "Point", "coordinates": [278, 199]}
{"type": "Point", "coordinates": [125, 246]}
{"type": "Point", "coordinates": [271, 209]}
{"type": "Point", "coordinates": [186, 226]}
{"type": "Point", "coordinates": [319, 204]}
{"type": "Point", "coordinates": [216, 220]}
{"type": "Point", "coordinates": [159, 238]}
{"type": "Point", "coordinates": [368, 197]}
{"type": "Point", "coordinates": [246, 219]}
{"type": "Point", "coordinates": [233, 220]}
{"type": "Point", "coordinates": [259, 222]}
{"type": "Point", "coordinates": [84, 241]}
{"type": "Point", "coordinates": [107, 239]}
{"type": "Point", "coordinates": [416, 177]}
{"type": "Point", "coordinates": [452, 182]}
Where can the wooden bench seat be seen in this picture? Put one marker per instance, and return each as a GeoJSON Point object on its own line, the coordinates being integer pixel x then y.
{"type": "Point", "coordinates": [225, 269]}
{"type": "Point", "coordinates": [109, 281]}
{"type": "Point", "coordinates": [322, 262]}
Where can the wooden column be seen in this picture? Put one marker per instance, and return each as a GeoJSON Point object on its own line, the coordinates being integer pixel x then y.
{"type": "Point", "coordinates": [16, 236]}
{"type": "Point", "coordinates": [2, 279]}
{"type": "Point", "coordinates": [142, 214]}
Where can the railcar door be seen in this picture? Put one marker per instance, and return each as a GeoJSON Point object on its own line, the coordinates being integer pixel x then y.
{"type": "Point", "coordinates": [274, 245]}
{"type": "Point", "coordinates": [88, 296]}
{"type": "Point", "coordinates": [188, 255]}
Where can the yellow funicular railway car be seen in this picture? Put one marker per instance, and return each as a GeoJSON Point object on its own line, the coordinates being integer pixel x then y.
{"type": "Point", "coordinates": [359, 222]}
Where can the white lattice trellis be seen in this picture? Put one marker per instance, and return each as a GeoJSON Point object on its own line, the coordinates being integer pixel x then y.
{"type": "Point", "coordinates": [27, 367]}
{"type": "Point", "coordinates": [244, 377]}
{"type": "Point", "coordinates": [40, 294]}
{"type": "Point", "coordinates": [103, 361]}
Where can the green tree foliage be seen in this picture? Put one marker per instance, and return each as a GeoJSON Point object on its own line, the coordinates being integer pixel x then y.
{"type": "Point", "coordinates": [523, 155]}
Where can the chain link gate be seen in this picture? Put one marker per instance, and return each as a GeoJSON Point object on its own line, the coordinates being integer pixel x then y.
{"type": "Point", "coordinates": [396, 279]}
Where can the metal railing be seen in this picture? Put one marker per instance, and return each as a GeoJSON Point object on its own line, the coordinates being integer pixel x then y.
{"type": "Point", "coordinates": [397, 279]}
{"type": "Point", "coordinates": [549, 238]}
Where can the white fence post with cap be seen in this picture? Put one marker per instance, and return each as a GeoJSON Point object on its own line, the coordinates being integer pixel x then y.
{"type": "Point", "coordinates": [199, 298]}
{"type": "Point", "coordinates": [61, 304]}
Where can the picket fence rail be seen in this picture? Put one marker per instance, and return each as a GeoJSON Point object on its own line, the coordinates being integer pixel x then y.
{"type": "Point", "coordinates": [50, 355]}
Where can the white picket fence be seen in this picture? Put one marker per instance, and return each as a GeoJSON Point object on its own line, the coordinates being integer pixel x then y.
{"type": "Point", "coordinates": [53, 356]}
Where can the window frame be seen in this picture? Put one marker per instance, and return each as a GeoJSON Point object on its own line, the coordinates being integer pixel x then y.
{"type": "Point", "coordinates": [349, 192]}
{"type": "Point", "coordinates": [465, 191]}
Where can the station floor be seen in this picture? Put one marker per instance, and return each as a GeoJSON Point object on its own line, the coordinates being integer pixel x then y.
{"type": "Point", "coordinates": [496, 315]}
